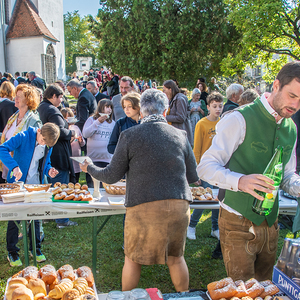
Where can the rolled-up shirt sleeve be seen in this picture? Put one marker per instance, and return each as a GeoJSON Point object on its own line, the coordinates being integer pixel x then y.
{"type": "Point", "coordinates": [230, 133]}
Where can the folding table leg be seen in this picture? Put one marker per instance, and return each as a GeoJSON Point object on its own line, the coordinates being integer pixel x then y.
{"type": "Point", "coordinates": [25, 242]}
{"type": "Point", "coordinates": [33, 242]}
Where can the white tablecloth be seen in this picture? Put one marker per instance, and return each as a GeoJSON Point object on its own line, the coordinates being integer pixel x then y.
{"type": "Point", "coordinates": [55, 210]}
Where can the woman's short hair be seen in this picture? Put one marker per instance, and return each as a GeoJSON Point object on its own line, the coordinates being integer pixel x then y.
{"type": "Point", "coordinates": [30, 94]}
{"type": "Point", "coordinates": [51, 90]}
{"type": "Point", "coordinates": [248, 96]}
{"type": "Point", "coordinates": [50, 133]}
{"type": "Point", "coordinates": [134, 98]}
{"type": "Point", "coordinates": [153, 102]}
{"type": "Point", "coordinates": [195, 92]}
{"type": "Point", "coordinates": [7, 90]}
{"type": "Point", "coordinates": [171, 84]}
{"type": "Point", "coordinates": [205, 89]}
{"type": "Point", "coordinates": [100, 108]}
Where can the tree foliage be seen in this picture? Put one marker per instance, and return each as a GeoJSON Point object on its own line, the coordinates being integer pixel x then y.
{"type": "Point", "coordinates": [79, 40]}
{"type": "Point", "coordinates": [270, 34]}
{"type": "Point", "coordinates": [164, 39]}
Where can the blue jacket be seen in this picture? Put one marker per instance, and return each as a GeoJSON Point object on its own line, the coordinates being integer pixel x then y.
{"type": "Point", "coordinates": [121, 125]}
{"type": "Point", "coordinates": [23, 145]}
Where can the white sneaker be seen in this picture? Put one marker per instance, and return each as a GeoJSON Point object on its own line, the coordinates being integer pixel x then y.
{"type": "Point", "coordinates": [215, 234]}
{"type": "Point", "coordinates": [191, 233]}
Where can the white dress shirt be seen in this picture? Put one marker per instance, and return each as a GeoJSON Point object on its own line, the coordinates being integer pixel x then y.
{"type": "Point", "coordinates": [230, 133]}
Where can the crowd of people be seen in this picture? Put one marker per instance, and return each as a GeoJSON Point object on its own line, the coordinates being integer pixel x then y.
{"type": "Point", "coordinates": [161, 142]}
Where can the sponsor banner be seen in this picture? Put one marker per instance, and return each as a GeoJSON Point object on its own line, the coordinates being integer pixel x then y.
{"type": "Point", "coordinates": [37, 211]}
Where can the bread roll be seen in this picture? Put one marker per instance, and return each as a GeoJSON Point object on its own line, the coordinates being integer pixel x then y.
{"type": "Point", "coordinates": [11, 288]}
{"type": "Point", "coordinates": [85, 187]}
{"type": "Point", "coordinates": [48, 274]}
{"type": "Point", "coordinates": [37, 286]}
{"type": "Point", "coordinates": [86, 273]}
{"type": "Point", "coordinates": [64, 186]}
{"type": "Point", "coordinates": [17, 280]}
{"type": "Point", "coordinates": [66, 271]}
{"type": "Point", "coordinates": [77, 185]}
{"type": "Point", "coordinates": [71, 295]}
{"type": "Point", "coordinates": [57, 184]}
{"type": "Point", "coordinates": [71, 185]}
{"type": "Point", "coordinates": [30, 272]}
{"type": "Point", "coordinates": [22, 293]}
{"type": "Point", "coordinates": [56, 190]}
{"type": "Point", "coordinates": [56, 282]}
{"type": "Point", "coordinates": [81, 285]}
{"type": "Point", "coordinates": [39, 296]}
{"type": "Point", "coordinates": [90, 291]}
{"type": "Point", "coordinates": [65, 285]}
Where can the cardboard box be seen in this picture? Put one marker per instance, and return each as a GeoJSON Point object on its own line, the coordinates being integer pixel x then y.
{"type": "Point", "coordinates": [286, 284]}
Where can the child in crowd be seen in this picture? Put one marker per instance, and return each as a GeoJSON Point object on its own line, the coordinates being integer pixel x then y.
{"type": "Point", "coordinates": [78, 142]}
{"type": "Point", "coordinates": [97, 130]}
{"type": "Point", "coordinates": [31, 164]}
{"type": "Point", "coordinates": [204, 133]}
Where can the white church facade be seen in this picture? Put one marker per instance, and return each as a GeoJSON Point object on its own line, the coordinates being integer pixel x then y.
{"type": "Point", "coordinates": [32, 38]}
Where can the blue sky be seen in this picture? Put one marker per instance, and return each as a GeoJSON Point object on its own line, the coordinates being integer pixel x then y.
{"type": "Point", "coordinates": [84, 7]}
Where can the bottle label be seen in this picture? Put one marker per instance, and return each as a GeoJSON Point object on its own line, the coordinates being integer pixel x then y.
{"type": "Point", "coordinates": [278, 168]}
{"type": "Point", "coordinates": [269, 200]}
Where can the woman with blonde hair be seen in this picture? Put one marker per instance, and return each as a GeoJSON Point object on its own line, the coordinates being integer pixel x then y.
{"type": "Point", "coordinates": [27, 101]}
{"type": "Point", "coordinates": [131, 106]}
{"type": "Point", "coordinates": [7, 106]}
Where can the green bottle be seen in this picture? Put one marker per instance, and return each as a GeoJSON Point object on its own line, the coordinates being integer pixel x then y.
{"type": "Point", "coordinates": [273, 171]}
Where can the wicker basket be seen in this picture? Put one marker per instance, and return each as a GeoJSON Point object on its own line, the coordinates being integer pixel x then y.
{"type": "Point", "coordinates": [37, 187]}
{"type": "Point", "coordinates": [115, 189]}
{"type": "Point", "coordinates": [9, 188]}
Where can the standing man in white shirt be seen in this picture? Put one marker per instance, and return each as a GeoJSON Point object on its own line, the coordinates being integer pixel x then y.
{"type": "Point", "coordinates": [245, 142]}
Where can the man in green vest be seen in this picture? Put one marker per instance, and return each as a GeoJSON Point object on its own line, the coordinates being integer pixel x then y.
{"type": "Point", "coordinates": [245, 141]}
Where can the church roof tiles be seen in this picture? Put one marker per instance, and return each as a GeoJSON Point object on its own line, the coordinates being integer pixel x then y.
{"type": "Point", "coordinates": [26, 22]}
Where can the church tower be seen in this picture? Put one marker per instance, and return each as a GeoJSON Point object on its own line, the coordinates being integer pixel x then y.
{"type": "Point", "coordinates": [35, 38]}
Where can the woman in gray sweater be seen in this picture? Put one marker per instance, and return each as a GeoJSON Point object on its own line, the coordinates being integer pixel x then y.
{"type": "Point", "coordinates": [159, 165]}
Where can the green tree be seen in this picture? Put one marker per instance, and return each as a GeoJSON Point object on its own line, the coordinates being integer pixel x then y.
{"type": "Point", "coordinates": [164, 39]}
{"type": "Point", "coordinates": [270, 34]}
{"type": "Point", "coordinates": [79, 40]}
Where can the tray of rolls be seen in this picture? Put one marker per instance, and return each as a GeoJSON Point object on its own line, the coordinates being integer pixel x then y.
{"type": "Point", "coordinates": [49, 283]}
{"type": "Point", "coordinates": [71, 193]}
{"type": "Point", "coordinates": [203, 195]}
{"type": "Point", "coordinates": [240, 290]}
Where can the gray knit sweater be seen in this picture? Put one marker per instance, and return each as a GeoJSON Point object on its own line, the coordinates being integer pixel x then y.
{"type": "Point", "coordinates": [158, 162]}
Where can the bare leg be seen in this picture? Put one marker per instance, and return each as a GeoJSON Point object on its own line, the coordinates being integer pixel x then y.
{"type": "Point", "coordinates": [179, 273]}
{"type": "Point", "coordinates": [130, 275]}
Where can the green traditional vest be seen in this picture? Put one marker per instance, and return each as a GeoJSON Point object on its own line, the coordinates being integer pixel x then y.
{"type": "Point", "coordinates": [262, 137]}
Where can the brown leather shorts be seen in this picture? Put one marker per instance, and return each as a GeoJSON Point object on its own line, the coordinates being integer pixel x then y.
{"type": "Point", "coordinates": [155, 230]}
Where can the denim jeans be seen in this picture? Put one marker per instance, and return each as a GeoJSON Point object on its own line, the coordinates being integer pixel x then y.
{"type": "Point", "coordinates": [249, 251]}
{"type": "Point", "coordinates": [62, 177]}
{"type": "Point", "coordinates": [197, 213]}
{"type": "Point", "coordinates": [12, 236]}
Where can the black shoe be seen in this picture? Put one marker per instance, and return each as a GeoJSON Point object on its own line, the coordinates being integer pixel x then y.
{"type": "Point", "coordinates": [217, 255]}
{"type": "Point", "coordinates": [63, 225]}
